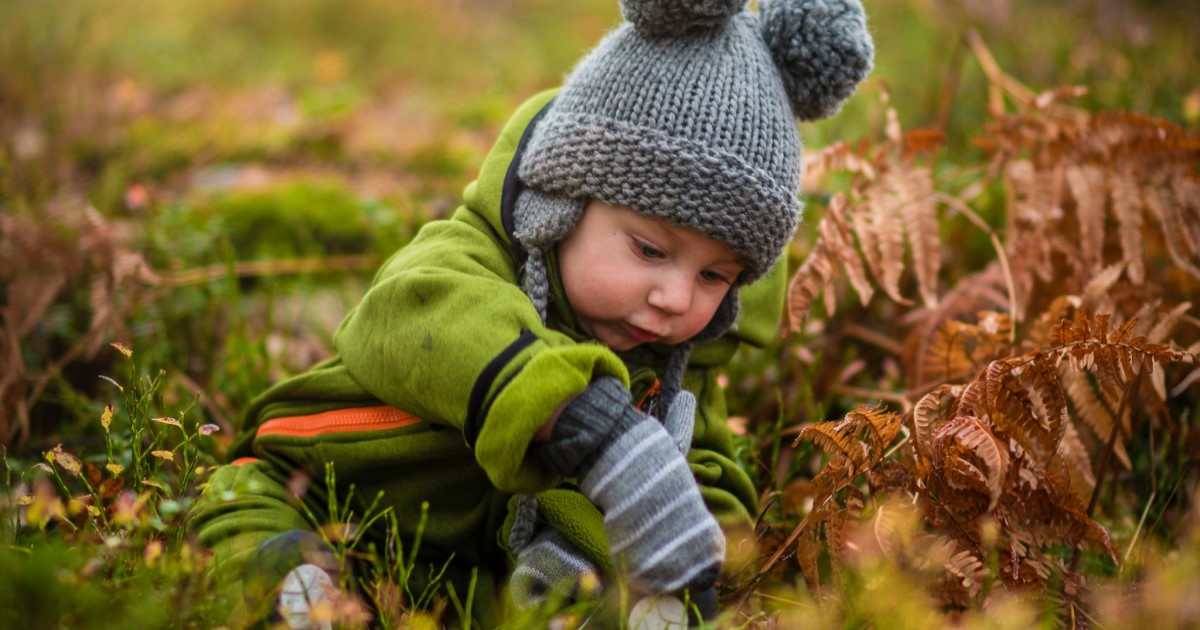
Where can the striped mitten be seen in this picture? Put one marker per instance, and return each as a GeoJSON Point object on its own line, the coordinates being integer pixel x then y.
{"type": "Point", "coordinates": [658, 527]}
{"type": "Point", "coordinates": [551, 567]}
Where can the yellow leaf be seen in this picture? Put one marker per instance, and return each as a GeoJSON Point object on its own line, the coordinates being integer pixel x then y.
{"type": "Point", "coordinates": [25, 500]}
{"type": "Point", "coordinates": [167, 455]}
{"type": "Point", "coordinates": [115, 469]}
{"type": "Point", "coordinates": [93, 510]}
{"type": "Point", "coordinates": [151, 482]}
{"type": "Point", "coordinates": [69, 462]}
{"type": "Point", "coordinates": [171, 421]}
{"type": "Point", "coordinates": [122, 349]}
{"type": "Point", "coordinates": [106, 417]}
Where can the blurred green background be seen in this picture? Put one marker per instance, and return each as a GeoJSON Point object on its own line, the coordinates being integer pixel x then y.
{"type": "Point", "coordinates": [218, 132]}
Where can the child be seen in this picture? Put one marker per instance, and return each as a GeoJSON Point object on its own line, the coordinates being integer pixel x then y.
{"type": "Point", "coordinates": [590, 278]}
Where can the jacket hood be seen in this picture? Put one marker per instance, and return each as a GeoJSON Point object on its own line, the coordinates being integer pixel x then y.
{"type": "Point", "coordinates": [494, 193]}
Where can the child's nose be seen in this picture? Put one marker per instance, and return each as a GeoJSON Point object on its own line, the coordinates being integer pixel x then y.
{"type": "Point", "coordinates": [672, 294]}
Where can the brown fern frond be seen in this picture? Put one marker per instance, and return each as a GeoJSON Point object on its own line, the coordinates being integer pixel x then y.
{"type": "Point", "coordinates": [932, 411]}
{"type": "Point", "coordinates": [918, 207]}
{"type": "Point", "coordinates": [878, 225]}
{"type": "Point", "coordinates": [1046, 330]}
{"type": "Point", "coordinates": [1097, 294]}
{"type": "Point", "coordinates": [1053, 514]}
{"type": "Point", "coordinates": [1088, 407]}
{"type": "Point", "coordinates": [979, 292]}
{"type": "Point", "coordinates": [969, 457]}
{"type": "Point", "coordinates": [1182, 246]}
{"type": "Point", "coordinates": [838, 522]}
{"type": "Point", "coordinates": [946, 357]}
{"type": "Point", "coordinates": [1166, 324]}
{"type": "Point", "coordinates": [832, 251]}
{"type": "Point", "coordinates": [880, 425]}
{"type": "Point", "coordinates": [1127, 206]}
{"type": "Point", "coordinates": [1009, 384]}
{"type": "Point", "coordinates": [1074, 455]}
{"type": "Point", "coordinates": [837, 439]}
{"type": "Point", "coordinates": [1086, 183]}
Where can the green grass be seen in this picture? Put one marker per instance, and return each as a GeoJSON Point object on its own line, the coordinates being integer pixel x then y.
{"type": "Point", "coordinates": [209, 135]}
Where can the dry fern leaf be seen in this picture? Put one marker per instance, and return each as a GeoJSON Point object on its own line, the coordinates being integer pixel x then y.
{"type": "Point", "coordinates": [880, 232]}
{"type": "Point", "coordinates": [946, 358]}
{"type": "Point", "coordinates": [978, 292]}
{"type": "Point", "coordinates": [1087, 186]}
{"type": "Point", "coordinates": [1127, 205]}
{"type": "Point", "coordinates": [1178, 235]}
{"type": "Point", "coordinates": [1052, 514]}
{"type": "Point", "coordinates": [1074, 454]}
{"type": "Point", "coordinates": [882, 426]}
{"type": "Point", "coordinates": [1091, 410]}
{"type": "Point", "coordinates": [838, 440]}
{"type": "Point", "coordinates": [1163, 328]}
{"type": "Point", "coordinates": [932, 411]}
{"type": "Point", "coordinates": [968, 456]}
{"type": "Point", "coordinates": [1097, 296]}
{"type": "Point", "coordinates": [918, 208]}
{"type": "Point", "coordinates": [833, 250]}
{"type": "Point", "coordinates": [1012, 386]}
{"type": "Point", "coordinates": [960, 350]}
{"type": "Point", "coordinates": [1045, 333]}
{"type": "Point", "coordinates": [838, 525]}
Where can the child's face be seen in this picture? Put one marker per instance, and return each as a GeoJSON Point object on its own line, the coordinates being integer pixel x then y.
{"type": "Point", "coordinates": [633, 279]}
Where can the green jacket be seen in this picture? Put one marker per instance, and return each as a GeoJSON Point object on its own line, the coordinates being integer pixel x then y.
{"type": "Point", "coordinates": [445, 334]}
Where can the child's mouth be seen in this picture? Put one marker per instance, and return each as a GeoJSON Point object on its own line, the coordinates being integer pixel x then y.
{"type": "Point", "coordinates": [641, 334]}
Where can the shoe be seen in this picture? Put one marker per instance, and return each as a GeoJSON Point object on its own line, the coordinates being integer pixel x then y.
{"type": "Point", "coordinates": [303, 589]}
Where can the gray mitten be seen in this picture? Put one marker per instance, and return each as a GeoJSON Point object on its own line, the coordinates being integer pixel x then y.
{"type": "Point", "coordinates": [551, 566]}
{"type": "Point", "coordinates": [658, 527]}
{"type": "Point", "coordinates": [680, 421]}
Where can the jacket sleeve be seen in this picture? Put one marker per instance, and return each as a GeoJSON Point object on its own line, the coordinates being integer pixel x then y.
{"type": "Point", "coordinates": [446, 333]}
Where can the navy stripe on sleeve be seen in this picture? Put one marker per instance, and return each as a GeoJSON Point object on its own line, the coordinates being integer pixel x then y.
{"type": "Point", "coordinates": [479, 403]}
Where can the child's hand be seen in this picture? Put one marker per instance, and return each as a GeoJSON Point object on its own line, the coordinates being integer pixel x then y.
{"type": "Point", "coordinates": [658, 527]}
{"type": "Point", "coordinates": [550, 567]}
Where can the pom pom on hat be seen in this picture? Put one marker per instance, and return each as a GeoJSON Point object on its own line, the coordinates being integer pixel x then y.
{"type": "Point", "coordinates": [822, 48]}
{"type": "Point", "coordinates": [657, 18]}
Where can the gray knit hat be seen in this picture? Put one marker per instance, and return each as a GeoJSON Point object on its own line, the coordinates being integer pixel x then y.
{"type": "Point", "coordinates": [687, 112]}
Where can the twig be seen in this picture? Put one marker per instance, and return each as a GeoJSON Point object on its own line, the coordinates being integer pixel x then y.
{"type": "Point", "coordinates": [950, 82]}
{"type": "Point", "coordinates": [1130, 391]}
{"type": "Point", "coordinates": [872, 394]}
{"type": "Point", "coordinates": [995, 75]}
{"type": "Point", "coordinates": [1001, 257]}
{"type": "Point", "coordinates": [870, 336]}
{"type": "Point", "coordinates": [269, 268]}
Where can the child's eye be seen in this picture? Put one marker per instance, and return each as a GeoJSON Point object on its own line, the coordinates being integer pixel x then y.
{"type": "Point", "coordinates": [713, 276]}
{"type": "Point", "coordinates": [649, 251]}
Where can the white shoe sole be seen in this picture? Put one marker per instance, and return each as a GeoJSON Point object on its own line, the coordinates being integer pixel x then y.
{"type": "Point", "coordinates": [305, 587]}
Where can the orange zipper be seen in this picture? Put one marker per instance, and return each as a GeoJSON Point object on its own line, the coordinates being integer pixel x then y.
{"type": "Point", "coordinates": [651, 394]}
{"type": "Point", "coordinates": [339, 421]}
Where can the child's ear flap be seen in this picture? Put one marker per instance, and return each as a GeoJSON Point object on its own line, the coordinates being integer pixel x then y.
{"type": "Point", "coordinates": [822, 49]}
